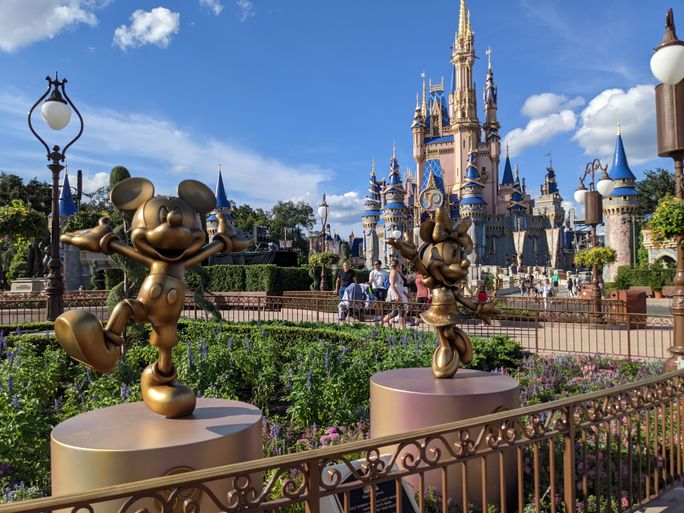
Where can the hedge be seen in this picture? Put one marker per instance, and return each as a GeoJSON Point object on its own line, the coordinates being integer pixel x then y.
{"type": "Point", "coordinates": [294, 278]}
{"type": "Point", "coordinates": [226, 278]}
{"type": "Point", "coordinates": [654, 277]}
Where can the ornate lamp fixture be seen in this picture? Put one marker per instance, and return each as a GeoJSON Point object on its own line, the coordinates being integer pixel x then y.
{"type": "Point", "coordinates": [56, 111]}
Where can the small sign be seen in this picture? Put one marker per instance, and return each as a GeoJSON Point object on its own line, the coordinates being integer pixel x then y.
{"type": "Point", "coordinates": [431, 199]}
{"type": "Point", "coordinates": [360, 498]}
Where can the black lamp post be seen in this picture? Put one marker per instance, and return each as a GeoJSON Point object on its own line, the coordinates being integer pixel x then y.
{"type": "Point", "coordinates": [593, 214]}
{"type": "Point", "coordinates": [667, 65]}
{"type": "Point", "coordinates": [57, 114]}
{"type": "Point", "coordinates": [323, 214]}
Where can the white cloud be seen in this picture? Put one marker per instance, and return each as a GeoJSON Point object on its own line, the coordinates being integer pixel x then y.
{"type": "Point", "coordinates": [160, 150]}
{"type": "Point", "coordinates": [634, 110]}
{"type": "Point", "coordinates": [539, 131]}
{"type": "Point", "coordinates": [246, 9]}
{"type": "Point", "coordinates": [23, 22]}
{"type": "Point", "coordinates": [214, 6]}
{"type": "Point", "coordinates": [155, 27]}
{"type": "Point", "coordinates": [93, 182]}
{"type": "Point", "coordinates": [541, 105]}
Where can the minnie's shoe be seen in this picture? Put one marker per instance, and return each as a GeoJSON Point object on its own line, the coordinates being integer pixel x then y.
{"type": "Point", "coordinates": [81, 335]}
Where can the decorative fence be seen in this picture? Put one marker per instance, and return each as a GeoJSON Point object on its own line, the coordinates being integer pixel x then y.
{"type": "Point", "coordinates": [538, 324]}
{"type": "Point", "coordinates": [612, 451]}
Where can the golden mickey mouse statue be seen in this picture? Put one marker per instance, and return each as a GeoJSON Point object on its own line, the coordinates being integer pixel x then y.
{"type": "Point", "coordinates": [442, 260]}
{"type": "Point", "coordinates": [167, 238]}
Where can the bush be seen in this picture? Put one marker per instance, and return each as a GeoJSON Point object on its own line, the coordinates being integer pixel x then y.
{"type": "Point", "coordinates": [262, 278]}
{"type": "Point", "coordinates": [294, 278]}
{"type": "Point", "coordinates": [112, 277]}
{"type": "Point", "coordinates": [668, 219]}
{"type": "Point", "coordinates": [595, 256]}
{"type": "Point", "coordinates": [226, 278]}
{"type": "Point", "coordinates": [628, 276]}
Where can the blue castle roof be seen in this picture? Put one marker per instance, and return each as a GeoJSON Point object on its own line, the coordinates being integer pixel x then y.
{"type": "Point", "coordinates": [67, 207]}
{"type": "Point", "coordinates": [455, 207]}
{"type": "Point", "coordinates": [221, 198]}
{"type": "Point", "coordinates": [620, 169]}
{"type": "Point", "coordinates": [472, 200]}
{"type": "Point", "coordinates": [508, 172]}
{"type": "Point", "coordinates": [433, 168]}
{"type": "Point", "coordinates": [471, 171]}
{"type": "Point", "coordinates": [437, 140]}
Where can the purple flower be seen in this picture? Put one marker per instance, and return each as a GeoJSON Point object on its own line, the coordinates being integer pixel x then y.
{"type": "Point", "coordinates": [15, 402]}
{"type": "Point", "coordinates": [309, 379]}
{"type": "Point", "coordinates": [124, 392]}
{"type": "Point", "coordinates": [10, 384]}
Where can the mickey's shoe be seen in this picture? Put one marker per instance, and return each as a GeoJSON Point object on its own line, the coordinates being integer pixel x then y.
{"type": "Point", "coordinates": [163, 395]}
{"type": "Point", "coordinates": [81, 335]}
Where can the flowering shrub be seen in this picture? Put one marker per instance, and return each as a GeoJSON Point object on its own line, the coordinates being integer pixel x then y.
{"type": "Point", "coordinates": [668, 219]}
{"type": "Point", "coordinates": [595, 256]}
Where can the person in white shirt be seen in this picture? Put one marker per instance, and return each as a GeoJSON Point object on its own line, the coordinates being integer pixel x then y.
{"type": "Point", "coordinates": [377, 279]}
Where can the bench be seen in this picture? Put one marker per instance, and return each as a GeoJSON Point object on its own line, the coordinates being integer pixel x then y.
{"type": "Point", "coordinates": [645, 289]}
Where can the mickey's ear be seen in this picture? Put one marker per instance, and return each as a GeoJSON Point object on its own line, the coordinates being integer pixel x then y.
{"type": "Point", "coordinates": [198, 195]}
{"type": "Point", "coordinates": [130, 193]}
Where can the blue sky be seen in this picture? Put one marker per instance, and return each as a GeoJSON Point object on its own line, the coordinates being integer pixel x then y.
{"type": "Point", "coordinates": [296, 97]}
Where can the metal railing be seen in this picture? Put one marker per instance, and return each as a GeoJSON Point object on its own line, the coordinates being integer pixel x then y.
{"type": "Point", "coordinates": [542, 330]}
{"type": "Point", "coordinates": [612, 451]}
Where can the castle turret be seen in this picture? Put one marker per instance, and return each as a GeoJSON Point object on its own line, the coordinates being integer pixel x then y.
{"type": "Point", "coordinates": [418, 130]}
{"type": "Point", "coordinates": [550, 203]}
{"type": "Point", "coordinates": [222, 206]}
{"type": "Point", "coordinates": [491, 124]}
{"type": "Point", "coordinates": [371, 216]}
{"type": "Point", "coordinates": [395, 212]}
{"type": "Point", "coordinates": [619, 209]}
{"type": "Point", "coordinates": [472, 203]}
{"type": "Point", "coordinates": [67, 207]}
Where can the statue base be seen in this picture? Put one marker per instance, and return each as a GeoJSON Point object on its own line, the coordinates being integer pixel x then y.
{"type": "Point", "coordinates": [404, 400]}
{"type": "Point", "coordinates": [128, 442]}
{"type": "Point", "coordinates": [28, 285]}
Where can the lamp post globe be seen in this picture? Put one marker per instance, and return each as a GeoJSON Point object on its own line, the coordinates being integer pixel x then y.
{"type": "Point", "coordinates": [56, 111]}
{"type": "Point", "coordinates": [396, 233]}
{"type": "Point", "coordinates": [605, 186]}
{"type": "Point", "coordinates": [579, 195]}
{"type": "Point", "coordinates": [667, 64]}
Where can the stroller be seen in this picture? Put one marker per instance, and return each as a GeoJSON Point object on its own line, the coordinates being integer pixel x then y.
{"type": "Point", "coordinates": [353, 302]}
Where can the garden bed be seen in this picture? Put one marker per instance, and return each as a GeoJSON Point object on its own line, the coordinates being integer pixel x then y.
{"type": "Point", "coordinates": [311, 380]}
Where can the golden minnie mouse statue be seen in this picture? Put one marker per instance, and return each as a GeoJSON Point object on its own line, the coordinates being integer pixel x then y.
{"type": "Point", "coordinates": [167, 238]}
{"type": "Point", "coordinates": [442, 260]}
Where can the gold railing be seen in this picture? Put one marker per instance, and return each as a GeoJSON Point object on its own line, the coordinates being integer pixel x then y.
{"type": "Point", "coordinates": [611, 451]}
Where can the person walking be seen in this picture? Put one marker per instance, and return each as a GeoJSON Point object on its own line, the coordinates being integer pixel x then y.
{"type": "Point", "coordinates": [422, 295]}
{"type": "Point", "coordinates": [547, 292]}
{"type": "Point", "coordinates": [344, 278]}
{"type": "Point", "coordinates": [378, 279]}
{"type": "Point", "coordinates": [570, 285]}
{"type": "Point", "coordinates": [397, 295]}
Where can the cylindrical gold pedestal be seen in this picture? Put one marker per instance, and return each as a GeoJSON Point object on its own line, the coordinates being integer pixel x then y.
{"type": "Point", "coordinates": [128, 442]}
{"type": "Point", "coordinates": [407, 399]}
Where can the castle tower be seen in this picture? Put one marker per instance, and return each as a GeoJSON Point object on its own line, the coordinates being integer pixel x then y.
{"type": "Point", "coordinates": [395, 212]}
{"type": "Point", "coordinates": [370, 219]}
{"type": "Point", "coordinates": [67, 207]}
{"type": "Point", "coordinates": [491, 124]}
{"type": "Point", "coordinates": [222, 206]}
{"type": "Point", "coordinates": [619, 210]}
{"type": "Point", "coordinates": [549, 203]}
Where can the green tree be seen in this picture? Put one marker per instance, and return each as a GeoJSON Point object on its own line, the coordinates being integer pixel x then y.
{"type": "Point", "coordinates": [39, 195]}
{"type": "Point", "coordinates": [116, 175]}
{"type": "Point", "coordinates": [18, 220]}
{"type": "Point", "coordinates": [245, 217]}
{"type": "Point", "coordinates": [655, 184]}
{"type": "Point", "coordinates": [292, 216]}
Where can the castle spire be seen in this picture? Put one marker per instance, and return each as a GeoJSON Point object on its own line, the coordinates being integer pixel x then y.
{"type": "Point", "coordinates": [423, 109]}
{"type": "Point", "coordinates": [67, 207]}
{"type": "Point", "coordinates": [221, 198]}
{"type": "Point", "coordinates": [462, 20]}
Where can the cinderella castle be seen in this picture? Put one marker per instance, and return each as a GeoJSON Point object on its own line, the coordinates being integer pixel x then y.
{"type": "Point", "coordinates": [457, 161]}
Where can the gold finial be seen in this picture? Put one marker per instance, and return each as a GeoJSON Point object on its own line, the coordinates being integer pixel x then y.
{"type": "Point", "coordinates": [417, 101]}
{"type": "Point", "coordinates": [506, 149]}
{"type": "Point", "coordinates": [372, 167]}
{"type": "Point", "coordinates": [468, 30]}
{"type": "Point", "coordinates": [489, 58]}
{"type": "Point", "coordinates": [394, 149]}
{"type": "Point", "coordinates": [618, 128]}
{"type": "Point", "coordinates": [462, 19]}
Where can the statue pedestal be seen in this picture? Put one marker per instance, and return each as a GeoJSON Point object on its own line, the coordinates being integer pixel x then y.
{"type": "Point", "coordinates": [128, 442]}
{"type": "Point", "coordinates": [403, 400]}
{"type": "Point", "coordinates": [28, 285]}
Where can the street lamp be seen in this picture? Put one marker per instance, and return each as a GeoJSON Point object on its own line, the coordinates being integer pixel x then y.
{"type": "Point", "coordinates": [57, 114]}
{"type": "Point", "coordinates": [323, 214]}
{"type": "Point", "coordinates": [593, 213]}
{"type": "Point", "coordinates": [667, 65]}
